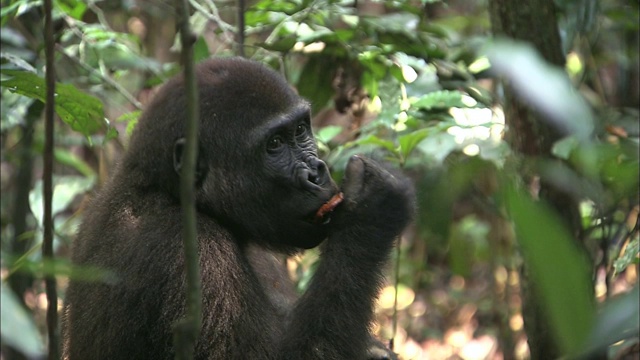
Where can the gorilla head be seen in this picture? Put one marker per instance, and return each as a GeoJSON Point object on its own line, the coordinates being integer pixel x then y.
{"type": "Point", "coordinates": [256, 152]}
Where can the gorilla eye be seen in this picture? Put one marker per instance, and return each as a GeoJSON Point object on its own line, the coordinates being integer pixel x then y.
{"type": "Point", "coordinates": [274, 143]}
{"type": "Point", "coordinates": [301, 130]}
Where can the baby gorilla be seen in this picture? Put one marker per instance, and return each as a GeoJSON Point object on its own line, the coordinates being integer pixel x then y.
{"type": "Point", "coordinates": [259, 188]}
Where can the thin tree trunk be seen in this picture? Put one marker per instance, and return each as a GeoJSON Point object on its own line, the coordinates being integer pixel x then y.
{"type": "Point", "coordinates": [187, 330]}
{"type": "Point", "coordinates": [535, 22]}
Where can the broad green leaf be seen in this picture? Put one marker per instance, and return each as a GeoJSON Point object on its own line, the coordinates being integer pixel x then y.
{"type": "Point", "coordinates": [556, 267]}
{"type": "Point", "coordinates": [17, 327]}
{"type": "Point", "coordinates": [281, 45]}
{"type": "Point", "coordinates": [443, 99]}
{"type": "Point", "coordinates": [73, 8]}
{"type": "Point", "coordinates": [82, 112]}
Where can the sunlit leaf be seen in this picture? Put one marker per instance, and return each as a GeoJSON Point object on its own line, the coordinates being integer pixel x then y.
{"type": "Point", "coordinates": [17, 327]}
{"type": "Point", "coordinates": [563, 147]}
{"type": "Point", "coordinates": [443, 99]}
{"type": "Point", "coordinates": [132, 120]}
{"type": "Point", "coordinates": [82, 112]}
{"type": "Point", "coordinates": [73, 8]}
{"type": "Point", "coordinates": [282, 45]}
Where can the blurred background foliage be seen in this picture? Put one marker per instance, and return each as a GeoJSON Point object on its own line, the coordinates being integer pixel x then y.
{"type": "Point", "coordinates": [518, 124]}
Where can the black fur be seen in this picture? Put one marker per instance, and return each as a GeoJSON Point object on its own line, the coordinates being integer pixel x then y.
{"type": "Point", "coordinates": [259, 184]}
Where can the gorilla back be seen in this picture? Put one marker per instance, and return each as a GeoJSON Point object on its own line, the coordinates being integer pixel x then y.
{"type": "Point", "coordinates": [259, 184]}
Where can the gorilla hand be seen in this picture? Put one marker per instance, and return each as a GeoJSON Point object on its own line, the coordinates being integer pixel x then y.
{"type": "Point", "coordinates": [377, 204]}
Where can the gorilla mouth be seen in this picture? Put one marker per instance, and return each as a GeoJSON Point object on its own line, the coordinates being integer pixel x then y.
{"type": "Point", "coordinates": [323, 214]}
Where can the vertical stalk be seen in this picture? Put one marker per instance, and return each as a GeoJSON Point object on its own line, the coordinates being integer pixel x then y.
{"type": "Point", "coordinates": [47, 183]}
{"type": "Point", "coordinates": [187, 330]}
{"type": "Point", "coordinates": [240, 35]}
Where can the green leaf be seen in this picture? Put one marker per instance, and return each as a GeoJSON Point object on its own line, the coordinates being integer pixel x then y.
{"type": "Point", "coordinates": [73, 8]}
{"type": "Point", "coordinates": [374, 140]}
{"type": "Point", "coordinates": [322, 34]}
{"type": "Point", "coordinates": [327, 133]}
{"type": "Point", "coordinates": [618, 320]}
{"type": "Point", "coordinates": [281, 45]}
{"type": "Point", "coordinates": [443, 99]}
{"type": "Point", "coordinates": [66, 157]}
{"type": "Point", "coordinates": [409, 141]}
{"type": "Point", "coordinates": [82, 112]}
{"type": "Point", "coordinates": [14, 8]}
{"type": "Point", "coordinates": [17, 327]}
{"type": "Point", "coordinates": [132, 120]}
{"type": "Point", "coordinates": [556, 267]}
{"type": "Point", "coordinates": [564, 147]}
{"type": "Point", "coordinates": [630, 256]}
{"type": "Point", "coordinates": [17, 61]}
{"type": "Point", "coordinates": [315, 82]}
{"type": "Point", "coordinates": [200, 50]}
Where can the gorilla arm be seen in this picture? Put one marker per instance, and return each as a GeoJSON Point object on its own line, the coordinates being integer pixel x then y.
{"type": "Point", "coordinates": [332, 319]}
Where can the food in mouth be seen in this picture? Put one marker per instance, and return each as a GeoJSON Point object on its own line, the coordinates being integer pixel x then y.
{"type": "Point", "coordinates": [328, 207]}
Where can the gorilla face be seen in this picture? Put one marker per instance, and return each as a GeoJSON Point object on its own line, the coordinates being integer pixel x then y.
{"type": "Point", "coordinates": [300, 182]}
{"type": "Point", "coordinates": [258, 164]}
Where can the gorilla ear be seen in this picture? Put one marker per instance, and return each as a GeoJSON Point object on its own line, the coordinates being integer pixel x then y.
{"type": "Point", "coordinates": [178, 151]}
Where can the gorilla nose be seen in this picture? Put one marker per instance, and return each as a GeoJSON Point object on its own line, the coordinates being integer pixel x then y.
{"type": "Point", "coordinates": [318, 174]}
{"type": "Point", "coordinates": [313, 178]}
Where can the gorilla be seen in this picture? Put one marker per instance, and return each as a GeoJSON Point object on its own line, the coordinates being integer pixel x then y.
{"type": "Point", "coordinates": [259, 185]}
